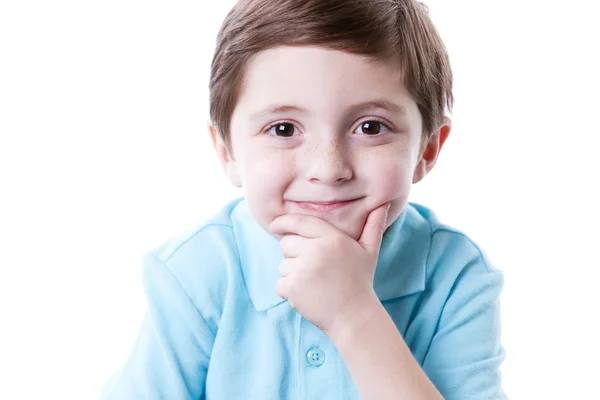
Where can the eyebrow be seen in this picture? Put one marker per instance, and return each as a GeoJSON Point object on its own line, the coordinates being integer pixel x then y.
{"type": "Point", "coordinates": [373, 104]}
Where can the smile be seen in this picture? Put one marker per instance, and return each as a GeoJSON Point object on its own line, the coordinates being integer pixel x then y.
{"type": "Point", "coordinates": [323, 206]}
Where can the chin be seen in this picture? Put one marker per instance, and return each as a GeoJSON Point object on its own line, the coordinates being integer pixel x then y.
{"type": "Point", "coordinates": [350, 226]}
{"type": "Point", "coordinates": [353, 232]}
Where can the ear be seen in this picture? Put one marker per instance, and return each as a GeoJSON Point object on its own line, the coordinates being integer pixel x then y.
{"type": "Point", "coordinates": [432, 149]}
{"type": "Point", "coordinates": [225, 156]}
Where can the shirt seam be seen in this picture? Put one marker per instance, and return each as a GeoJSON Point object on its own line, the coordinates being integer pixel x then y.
{"type": "Point", "coordinates": [239, 264]}
{"type": "Point", "coordinates": [300, 365]}
{"type": "Point", "coordinates": [443, 308]}
{"type": "Point", "coordinates": [431, 233]}
{"type": "Point", "coordinates": [479, 251]}
{"type": "Point", "coordinates": [168, 268]}
{"type": "Point", "coordinates": [193, 236]}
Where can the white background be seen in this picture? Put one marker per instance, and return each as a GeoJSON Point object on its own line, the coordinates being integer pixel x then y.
{"type": "Point", "coordinates": [104, 155]}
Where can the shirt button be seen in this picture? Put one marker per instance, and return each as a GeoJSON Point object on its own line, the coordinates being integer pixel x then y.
{"type": "Point", "coordinates": [315, 357]}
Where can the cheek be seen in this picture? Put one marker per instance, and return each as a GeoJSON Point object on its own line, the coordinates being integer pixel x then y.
{"type": "Point", "coordinates": [266, 173]}
{"type": "Point", "coordinates": [390, 180]}
{"type": "Point", "coordinates": [265, 178]}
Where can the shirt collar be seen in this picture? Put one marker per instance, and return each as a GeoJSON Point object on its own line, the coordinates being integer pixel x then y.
{"type": "Point", "coordinates": [400, 268]}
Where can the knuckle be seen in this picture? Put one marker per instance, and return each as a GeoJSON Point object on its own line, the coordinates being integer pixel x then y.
{"type": "Point", "coordinates": [283, 245]}
{"type": "Point", "coordinates": [284, 267]}
{"type": "Point", "coordinates": [280, 289]}
{"type": "Point", "coordinates": [286, 244]}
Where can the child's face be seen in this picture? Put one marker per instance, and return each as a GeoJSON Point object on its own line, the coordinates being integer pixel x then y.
{"type": "Point", "coordinates": [320, 146]}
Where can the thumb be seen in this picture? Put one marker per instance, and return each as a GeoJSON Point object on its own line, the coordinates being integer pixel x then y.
{"type": "Point", "coordinates": [370, 239]}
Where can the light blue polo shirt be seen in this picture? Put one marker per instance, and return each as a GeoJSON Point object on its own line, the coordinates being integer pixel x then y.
{"type": "Point", "coordinates": [216, 329]}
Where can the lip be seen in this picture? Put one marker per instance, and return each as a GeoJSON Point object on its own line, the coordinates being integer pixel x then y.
{"type": "Point", "coordinates": [323, 206]}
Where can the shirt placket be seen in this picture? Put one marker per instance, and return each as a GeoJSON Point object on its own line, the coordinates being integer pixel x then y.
{"type": "Point", "coordinates": [318, 368]}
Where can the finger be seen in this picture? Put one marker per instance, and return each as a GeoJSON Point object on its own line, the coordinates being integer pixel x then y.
{"type": "Point", "coordinates": [370, 239]}
{"type": "Point", "coordinates": [291, 246]}
{"type": "Point", "coordinates": [287, 266]}
{"type": "Point", "coordinates": [282, 288]}
{"type": "Point", "coordinates": [307, 226]}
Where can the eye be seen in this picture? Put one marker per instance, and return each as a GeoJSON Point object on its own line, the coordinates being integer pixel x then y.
{"type": "Point", "coordinates": [281, 129]}
{"type": "Point", "coordinates": [373, 127]}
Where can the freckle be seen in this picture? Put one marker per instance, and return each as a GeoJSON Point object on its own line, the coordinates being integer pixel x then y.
{"type": "Point", "coordinates": [309, 150]}
{"type": "Point", "coordinates": [332, 146]}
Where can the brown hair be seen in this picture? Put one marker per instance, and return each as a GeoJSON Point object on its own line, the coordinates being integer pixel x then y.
{"type": "Point", "coordinates": [383, 30]}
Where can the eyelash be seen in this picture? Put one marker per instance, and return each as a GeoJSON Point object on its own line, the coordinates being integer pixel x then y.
{"type": "Point", "coordinates": [372, 119]}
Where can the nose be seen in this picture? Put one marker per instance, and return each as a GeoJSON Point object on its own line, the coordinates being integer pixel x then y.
{"type": "Point", "coordinates": [328, 163]}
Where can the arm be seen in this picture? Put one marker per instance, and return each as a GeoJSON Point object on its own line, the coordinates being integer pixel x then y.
{"type": "Point", "coordinates": [378, 359]}
{"type": "Point", "coordinates": [464, 356]}
{"type": "Point", "coordinates": [170, 357]}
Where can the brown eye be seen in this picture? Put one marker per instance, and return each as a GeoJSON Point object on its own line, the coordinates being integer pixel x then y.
{"type": "Point", "coordinates": [283, 129]}
{"type": "Point", "coordinates": [371, 127]}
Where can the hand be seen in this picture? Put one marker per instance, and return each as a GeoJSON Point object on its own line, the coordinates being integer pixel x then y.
{"type": "Point", "coordinates": [327, 276]}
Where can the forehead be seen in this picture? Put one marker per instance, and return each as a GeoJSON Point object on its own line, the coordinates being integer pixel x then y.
{"type": "Point", "coordinates": [319, 80]}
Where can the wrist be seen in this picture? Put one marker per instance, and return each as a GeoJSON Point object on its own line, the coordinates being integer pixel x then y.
{"type": "Point", "coordinates": [358, 315]}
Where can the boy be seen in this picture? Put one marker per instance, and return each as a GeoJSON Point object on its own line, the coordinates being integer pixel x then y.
{"type": "Point", "coordinates": [323, 282]}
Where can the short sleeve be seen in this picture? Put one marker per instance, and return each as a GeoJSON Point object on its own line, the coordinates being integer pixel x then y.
{"type": "Point", "coordinates": [465, 354]}
{"type": "Point", "coordinates": [170, 357]}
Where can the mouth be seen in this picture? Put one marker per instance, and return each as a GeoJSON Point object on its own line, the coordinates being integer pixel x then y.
{"type": "Point", "coordinates": [323, 207]}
